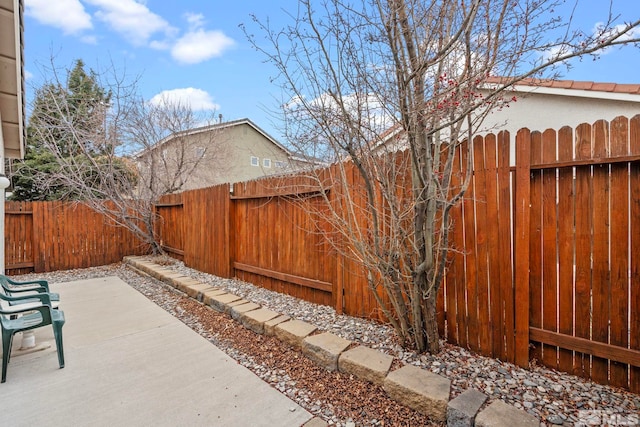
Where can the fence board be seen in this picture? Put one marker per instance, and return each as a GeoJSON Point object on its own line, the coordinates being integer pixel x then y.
{"type": "Point", "coordinates": [456, 333]}
{"type": "Point", "coordinates": [535, 242]}
{"type": "Point", "coordinates": [619, 249]}
{"type": "Point", "coordinates": [566, 242]}
{"type": "Point", "coordinates": [482, 228]}
{"type": "Point", "coordinates": [505, 231]}
{"type": "Point", "coordinates": [582, 361]}
{"type": "Point", "coordinates": [469, 254]}
{"type": "Point", "coordinates": [521, 246]}
{"type": "Point", "coordinates": [549, 250]}
{"type": "Point", "coordinates": [634, 309]}
{"type": "Point", "coordinates": [493, 254]}
{"type": "Point", "coordinates": [600, 282]}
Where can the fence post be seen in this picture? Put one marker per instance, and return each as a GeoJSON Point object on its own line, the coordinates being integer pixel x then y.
{"type": "Point", "coordinates": [521, 245]}
{"type": "Point", "coordinates": [39, 255]}
{"type": "Point", "coordinates": [339, 288]}
{"type": "Point", "coordinates": [230, 237]}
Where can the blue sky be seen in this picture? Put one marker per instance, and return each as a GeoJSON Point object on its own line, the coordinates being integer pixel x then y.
{"type": "Point", "coordinates": [196, 49]}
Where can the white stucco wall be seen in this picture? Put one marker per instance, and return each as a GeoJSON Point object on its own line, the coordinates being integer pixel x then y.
{"type": "Point", "coordinates": [545, 108]}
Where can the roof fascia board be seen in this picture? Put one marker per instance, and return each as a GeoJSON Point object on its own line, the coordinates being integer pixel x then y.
{"type": "Point", "coordinates": [18, 11]}
{"type": "Point", "coordinates": [579, 93]}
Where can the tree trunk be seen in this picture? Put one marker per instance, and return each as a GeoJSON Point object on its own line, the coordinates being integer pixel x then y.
{"type": "Point", "coordinates": [431, 323]}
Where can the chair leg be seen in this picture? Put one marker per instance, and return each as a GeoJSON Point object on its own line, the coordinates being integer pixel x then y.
{"type": "Point", "coordinates": [57, 332]}
{"type": "Point", "coordinates": [7, 339]}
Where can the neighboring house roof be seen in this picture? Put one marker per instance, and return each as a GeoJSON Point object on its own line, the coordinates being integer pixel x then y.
{"type": "Point", "coordinates": [564, 88]}
{"type": "Point", "coordinates": [220, 126]}
{"type": "Point", "coordinates": [12, 97]}
{"type": "Point", "coordinates": [588, 89]}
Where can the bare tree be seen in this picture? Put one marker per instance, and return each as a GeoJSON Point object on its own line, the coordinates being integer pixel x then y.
{"type": "Point", "coordinates": [117, 156]}
{"type": "Point", "coordinates": [363, 80]}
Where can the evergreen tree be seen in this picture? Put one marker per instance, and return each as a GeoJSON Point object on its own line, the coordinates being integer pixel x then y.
{"type": "Point", "coordinates": [71, 115]}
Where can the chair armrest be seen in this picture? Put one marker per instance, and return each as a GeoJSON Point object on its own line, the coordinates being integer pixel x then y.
{"type": "Point", "coordinates": [45, 312]}
{"type": "Point", "coordinates": [43, 298]}
{"type": "Point", "coordinates": [29, 288]}
{"type": "Point", "coordinates": [42, 283]}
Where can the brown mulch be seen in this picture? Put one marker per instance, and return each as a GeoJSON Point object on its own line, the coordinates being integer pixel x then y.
{"type": "Point", "coordinates": [349, 398]}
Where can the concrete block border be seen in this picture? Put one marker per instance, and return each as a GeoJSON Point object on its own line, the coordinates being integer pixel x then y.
{"type": "Point", "coordinates": [410, 386]}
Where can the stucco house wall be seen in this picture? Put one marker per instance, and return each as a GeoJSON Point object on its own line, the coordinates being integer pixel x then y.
{"type": "Point", "coordinates": [227, 152]}
{"type": "Point", "coordinates": [561, 103]}
{"type": "Point", "coordinates": [547, 104]}
{"type": "Point", "coordinates": [541, 111]}
{"type": "Point", "coordinates": [255, 156]}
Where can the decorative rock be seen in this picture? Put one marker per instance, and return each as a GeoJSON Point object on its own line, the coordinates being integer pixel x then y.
{"type": "Point", "coordinates": [162, 273]}
{"type": "Point", "coordinates": [195, 290]}
{"type": "Point", "coordinates": [365, 363]}
{"type": "Point", "coordinates": [227, 307]}
{"type": "Point", "coordinates": [254, 320]}
{"type": "Point", "coordinates": [500, 414]}
{"type": "Point", "coordinates": [419, 389]}
{"type": "Point", "coordinates": [221, 302]}
{"type": "Point", "coordinates": [315, 422]}
{"type": "Point", "coordinates": [555, 419]}
{"type": "Point", "coordinates": [206, 295]}
{"type": "Point", "coordinates": [293, 332]}
{"type": "Point", "coordinates": [324, 349]}
{"type": "Point", "coordinates": [462, 411]}
{"type": "Point", "coordinates": [181, 282]}
{"type": "Point", "coordinates": [239, 310]}
{"type": "Point", "coordinates": [269, 327]}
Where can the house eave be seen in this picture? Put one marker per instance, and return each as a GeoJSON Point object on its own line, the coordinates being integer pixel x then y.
{"type": "Point", "coordinates": [12, 96]}
{"type": "Point", "coordinates": [578, 93]}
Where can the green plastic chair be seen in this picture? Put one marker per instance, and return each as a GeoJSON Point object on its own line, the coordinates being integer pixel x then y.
{"type": "Point", "coordinates": [14, 288]}
{"type": "Point", "coordinates": [33, 315]}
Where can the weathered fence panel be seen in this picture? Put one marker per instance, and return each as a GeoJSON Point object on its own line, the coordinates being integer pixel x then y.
{"type": "Point", "coordinates": [49, 236]}
{"type": "Point", "coordinates": [582, 290]}
{"type": "Point", "coordinates": [19, 242]}
{"type": "Point", "coordinates": [546, 252]}
{"type": "Point", "coordinates": [170, 227]}
{"type": "Point", "coordinates": [479, 287]}
{"type": "Point", "coordinates": [207, 230]}
{"type": "Point", "coordinates": [277, 244]}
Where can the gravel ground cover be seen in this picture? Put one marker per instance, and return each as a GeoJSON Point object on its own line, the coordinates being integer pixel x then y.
{"type": "Point", "coordinates": [554, 397]}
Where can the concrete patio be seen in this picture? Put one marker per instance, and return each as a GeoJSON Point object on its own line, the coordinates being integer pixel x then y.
{"type": "Point", "coordinates": [128, 362]}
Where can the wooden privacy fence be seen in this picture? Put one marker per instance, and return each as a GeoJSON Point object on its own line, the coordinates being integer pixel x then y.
{"type": "Point", "coordinates": [547, 260]}
{"type": "Point", "coordinates": [49, 236]}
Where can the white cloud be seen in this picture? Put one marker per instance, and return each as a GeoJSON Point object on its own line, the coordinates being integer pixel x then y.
{"type": "Point", "coordinates": [601, 32]}
{"type": "Point", "coordinates": [556, 52]}
{"type": "Point", "coordinates": [133, 20]}
{"type": "Point", "coordinates": [89, 39]}
{"type": "Point", "coordinates": [67, 15]}
{"type": "Point", "coordinates": [195, 20]}
{"type": "Point", "coordinates": [160, 45]}
{"type": "Point", "coordinates": [28, 75]}
{"type": "Point", "coordinates": [199, 45]}
{"type": "Point", "coordinates": [196, 99]}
